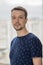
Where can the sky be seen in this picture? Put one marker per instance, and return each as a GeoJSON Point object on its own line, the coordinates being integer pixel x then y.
{"type": "Point", "coordinates": [34, 8]}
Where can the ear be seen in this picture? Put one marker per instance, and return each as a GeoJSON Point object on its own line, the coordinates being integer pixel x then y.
{"type": "Point", "coordinates": [26, 20]}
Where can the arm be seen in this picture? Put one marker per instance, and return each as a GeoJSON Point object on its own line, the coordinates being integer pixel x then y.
{"type": "Point", "coordinates": [37, 61]}
{"type": "Point", "coordinates": [36, 51]}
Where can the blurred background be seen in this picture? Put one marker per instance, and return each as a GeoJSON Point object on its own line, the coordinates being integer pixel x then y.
{"type": "Point", "coordinates": [7, 32]}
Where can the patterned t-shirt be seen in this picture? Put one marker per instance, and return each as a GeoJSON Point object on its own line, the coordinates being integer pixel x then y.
{"type": "Point", "coordinates": [24, 48]}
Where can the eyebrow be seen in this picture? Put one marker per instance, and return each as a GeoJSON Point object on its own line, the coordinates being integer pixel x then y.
{"type": "Point", "coordinates": [19, 15]}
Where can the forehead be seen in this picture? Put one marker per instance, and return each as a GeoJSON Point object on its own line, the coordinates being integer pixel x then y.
{"type": "Point", "coordinates": [17, 12]}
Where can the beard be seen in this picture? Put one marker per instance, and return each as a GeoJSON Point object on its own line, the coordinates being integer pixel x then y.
{"type": "Point", "coordinates": [18, 28]}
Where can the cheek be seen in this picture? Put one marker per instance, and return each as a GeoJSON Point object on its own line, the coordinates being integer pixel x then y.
{"type": "Point", "coordinates": [13, 21]}
{"type": "Point", "coordinates": [22, 23]}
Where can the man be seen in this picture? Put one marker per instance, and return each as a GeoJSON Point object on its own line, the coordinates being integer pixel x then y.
{"type": "Point", "coordinates": [26, 48]}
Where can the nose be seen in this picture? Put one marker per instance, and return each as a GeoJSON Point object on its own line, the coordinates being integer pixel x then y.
{"type": "Point", "coordinates": [17, 20]}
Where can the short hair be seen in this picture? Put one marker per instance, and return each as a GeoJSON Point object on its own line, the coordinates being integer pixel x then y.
{"type": "Point", "coordinates": [20, 8]}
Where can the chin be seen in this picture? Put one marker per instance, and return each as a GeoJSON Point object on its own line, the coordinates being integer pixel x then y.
{"type": "Point", "coordinates": [18, 29]}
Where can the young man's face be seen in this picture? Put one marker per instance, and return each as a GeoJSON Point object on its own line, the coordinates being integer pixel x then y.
{"type": "Point", "coordinates": [18, 19]}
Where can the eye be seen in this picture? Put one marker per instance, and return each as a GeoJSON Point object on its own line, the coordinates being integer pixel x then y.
{"type": "Point", "coordinates": [13, 17]}
{"type": "Point", "coordinates": [21, 17]}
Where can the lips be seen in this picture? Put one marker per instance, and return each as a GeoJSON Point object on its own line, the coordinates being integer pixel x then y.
{"type": "Point", "coordinates": [17, 24]}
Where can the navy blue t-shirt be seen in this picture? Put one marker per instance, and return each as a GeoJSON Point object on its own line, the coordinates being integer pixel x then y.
{"type": "Point", "coordinates": [24, 48]}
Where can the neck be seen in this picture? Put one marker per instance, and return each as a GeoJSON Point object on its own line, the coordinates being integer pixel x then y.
{"type": "Point", "coordinates": [22, 32]}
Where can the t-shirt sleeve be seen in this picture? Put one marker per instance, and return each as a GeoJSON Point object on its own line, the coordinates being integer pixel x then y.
{"type": "Point", "coordinates": [36, 48]}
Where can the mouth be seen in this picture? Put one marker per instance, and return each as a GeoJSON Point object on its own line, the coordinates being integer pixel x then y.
{"type": "Point", "coordinates": [17, 24]}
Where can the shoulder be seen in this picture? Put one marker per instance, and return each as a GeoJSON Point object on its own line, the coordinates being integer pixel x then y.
{"type": "Point", "coordinates": [13, 40]}
{"type": "Point", "coordinates": [33, 36]}
{"type": "Point", "coordinates": [35, 46]}
{"type": "Point", "coordinates": [35, 39]}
